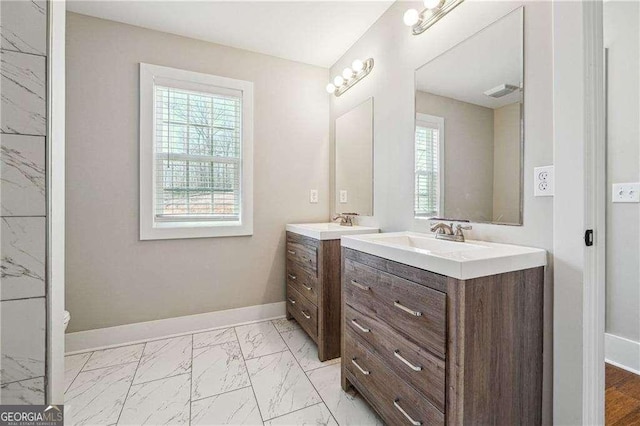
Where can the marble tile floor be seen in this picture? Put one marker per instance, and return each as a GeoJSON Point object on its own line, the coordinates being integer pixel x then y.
{"type": "Point", "coordinates": [266, 373]}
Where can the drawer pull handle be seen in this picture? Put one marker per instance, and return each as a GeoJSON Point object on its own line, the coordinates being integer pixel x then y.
{"type": "Point", "coordinates": [306, 315]}
{"type": "Point", "coordinates": [397, 304]}
{"type": "Point", "coordinates": [293, 277]}
{"type": "Point", "coordinates": [403, 359]}
{"type": "Point", "coordinates": [291, 252]}
{"type": "Point", "coordinates": [362, 370]}
{"type": "Point", "coordinates": [360, 286]}
{"type": "Point", "coordinates": [404, 413]}
{"type": "Point", "coordinates": [293, 302]}
{"type": "Point", "coordinates": [306, 287]}
{"type": "Point", "coordinates": [364, 330]}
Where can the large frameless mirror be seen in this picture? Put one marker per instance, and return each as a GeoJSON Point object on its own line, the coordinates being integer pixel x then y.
{"type": "Point", "coordinates": [469, 133]}
{"type": "Point", "coordinates": [354, 160]}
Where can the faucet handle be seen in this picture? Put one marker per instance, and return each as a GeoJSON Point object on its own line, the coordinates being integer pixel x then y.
{"type": "Point", "coordinates": [460, 228]}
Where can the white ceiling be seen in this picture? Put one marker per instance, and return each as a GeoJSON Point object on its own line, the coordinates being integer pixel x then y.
{"type": "Point", "coordinates": [313, 32]}
{"type": "Point", "coordinates": [488, 59]}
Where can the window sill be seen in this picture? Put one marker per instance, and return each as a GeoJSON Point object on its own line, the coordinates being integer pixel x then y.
{"type": "Point", "coordinates": [181, 230]}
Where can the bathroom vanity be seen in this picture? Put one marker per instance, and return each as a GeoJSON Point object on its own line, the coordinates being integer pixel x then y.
{"type": "Point", "coordinates": [439, 332]}
{"type": "Point", "coordinates": [313, 281]}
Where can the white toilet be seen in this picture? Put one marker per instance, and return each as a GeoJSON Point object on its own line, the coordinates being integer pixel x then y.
{"type": "Point", "coordinates": [67, 317]}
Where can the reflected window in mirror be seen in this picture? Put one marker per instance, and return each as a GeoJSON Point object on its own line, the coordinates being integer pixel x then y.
{"type": "Point", "coordinates": [429, 144]}
{"type": "Point", "coordinates": [472, 168]}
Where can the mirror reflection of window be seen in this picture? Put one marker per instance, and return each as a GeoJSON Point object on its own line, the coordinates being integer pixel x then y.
{"type": "Point", "coordinates": [429, 144]}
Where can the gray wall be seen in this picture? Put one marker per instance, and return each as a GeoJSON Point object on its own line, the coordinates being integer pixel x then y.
{"type": "Point", "coordinates": [23, 130]}
{"type": "Point", "coordinates": [112, 277]}
{"type": "Point", "coordinates": [622, 38]}
{"type": "Point", "coordinates": [398, 54]}
{"type": "Point", "coordinates": [468, 155]}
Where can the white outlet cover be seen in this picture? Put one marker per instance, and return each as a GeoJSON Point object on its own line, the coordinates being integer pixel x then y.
{"type": "Point", "coordinates": [313, 196]}
{"type": "Point", "coordinates": [626, 192]}
{"type": "Point", "coordinates": [343, 196]}
{"type": "Point", "coordinates": [543, 181]}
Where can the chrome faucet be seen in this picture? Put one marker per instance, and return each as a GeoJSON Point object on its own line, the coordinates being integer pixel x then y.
{"type": "Point", "coordinates": [346, 219]}
{"type": "Point", "coordinates": [449, 232]}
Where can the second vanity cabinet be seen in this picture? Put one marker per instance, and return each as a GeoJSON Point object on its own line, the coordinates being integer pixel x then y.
{"type": "Point", "coordinates": [313, 280]}
{"type": "Point", "coordinates": [427, 349]}
{"type": "Point", "coordinates": [313, 290]}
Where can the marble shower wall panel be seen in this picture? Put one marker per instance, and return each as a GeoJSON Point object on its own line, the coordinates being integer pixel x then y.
{"type": "Point", "coordinates": [23, 94]}
{"type": "Point", "coordinates": [23, 201]}
{"type": "Point", "coordinates": [22, 339]}
{"type": "Point", "coordinates": [22, 253]}
{"type": "Point", "coordinates": [26, 392]}
{"type": "Point", "coordinates": [22, 175]}
{"type": "Point", "coordinates": [30, 38]}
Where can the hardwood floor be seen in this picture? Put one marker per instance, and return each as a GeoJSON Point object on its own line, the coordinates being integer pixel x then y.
{"type": "Point", "coordinates": [622, 397]}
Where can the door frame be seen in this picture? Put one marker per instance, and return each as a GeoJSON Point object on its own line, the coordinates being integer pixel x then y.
{"type": "Point", "coordinates": [55, 168]}
{"type": "Point", "coordinates": [579, 205]}
{"type": "Point", "coordinates": [595, 215]}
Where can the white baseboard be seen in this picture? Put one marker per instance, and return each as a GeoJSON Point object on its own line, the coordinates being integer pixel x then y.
{"type": "Point", "coordinates": [103, 338]}
{"type": "Point", "coordinates": [621, 352]}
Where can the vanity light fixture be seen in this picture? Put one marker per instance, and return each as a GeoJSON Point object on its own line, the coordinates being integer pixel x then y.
{"type": "Point", "coordinates": [350, 76]}
{"type": "Point", "coordinates": [433, 11]}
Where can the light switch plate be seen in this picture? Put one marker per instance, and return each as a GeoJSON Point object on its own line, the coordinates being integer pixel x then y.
{"type": "Point", "coordinates": [313, 196]}
{"type": "Point", "coordinates": [626, 193]}
{"type": "Point", "coordinates": [543, 181]}
{"type": "Point", "coordinates": [343, 196]}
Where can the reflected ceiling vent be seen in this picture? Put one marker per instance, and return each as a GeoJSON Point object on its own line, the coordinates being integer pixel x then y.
{"type": "Point", "coordinates": [500, 91]}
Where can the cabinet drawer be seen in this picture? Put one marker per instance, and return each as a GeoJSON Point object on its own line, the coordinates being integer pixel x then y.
{"type": "Point", "coordinates": [303, 281]}
{"type": "Point", "coordinates": [305, 312]}
{"type": "Point", "coordinates": [303, 255]}
{"type": "Point", "coordinates": [415, 365]}
{"type": "Point", "coordinates": [389, 394]}
{"type": "Point", "coordinates": [416, 311]}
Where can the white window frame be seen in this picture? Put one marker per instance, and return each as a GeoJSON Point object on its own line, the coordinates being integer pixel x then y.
{"type": "Point", "coordinates": [150, 229]}
{"type": "Point", "coordinates": [426, 120]}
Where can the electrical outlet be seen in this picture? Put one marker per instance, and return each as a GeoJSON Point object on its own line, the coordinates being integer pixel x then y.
{"type": "Point", "coordinates": [313, 196]}
{"type": "Point", "coordinates": [626, 193]}
{"type": "Point", "coordinates": [343, 196]}
{"type": "Point", "coordinates": [543, 181]}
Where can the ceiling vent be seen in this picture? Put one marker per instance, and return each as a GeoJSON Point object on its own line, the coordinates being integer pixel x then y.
{"type": "Point", "coordinates": [500, 91]}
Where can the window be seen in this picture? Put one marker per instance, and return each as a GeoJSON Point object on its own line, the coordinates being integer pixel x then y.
{"type": "Point", "coordinates": [429, 147]}
{"type": "Point", "coordinates": [195, 154]}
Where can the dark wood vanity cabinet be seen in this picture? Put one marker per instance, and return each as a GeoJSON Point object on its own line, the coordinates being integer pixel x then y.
{"type": "Point", "coordinates": [427, 349]}
{"type": "Point", "coordinates": [313, 290]}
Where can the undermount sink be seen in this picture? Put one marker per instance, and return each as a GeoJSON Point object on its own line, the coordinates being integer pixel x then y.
{"type": "Point", "coordinates": [471, 259]}
{"type": "Point", "coordinates": [328, 231]}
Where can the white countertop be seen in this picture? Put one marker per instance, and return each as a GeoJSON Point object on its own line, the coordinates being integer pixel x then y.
{"type": "Point", "coordinates": [328, 231]}
{"type": "Point", "coordinates": [471, 259]}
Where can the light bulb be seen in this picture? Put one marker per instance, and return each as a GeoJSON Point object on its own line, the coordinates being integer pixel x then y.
{"type": "Point", "coordinates": [357, 66]}
{"type": "Point", "coordinates": [432, 4]}
{"type": "Point", "coordinates": [331, 88]}
{"type": "Point", "coordinates": [347, 73]}
{"type": "Point", "coordinates": [411, 17]}
{"type": "Point", "coordinates": [338, 81]}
